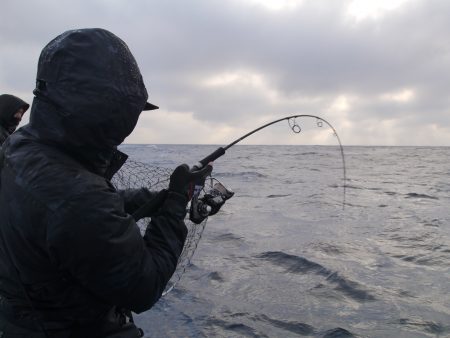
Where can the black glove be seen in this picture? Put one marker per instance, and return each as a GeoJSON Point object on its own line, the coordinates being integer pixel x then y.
{"type": "Point", "coordinates": [183, 180]}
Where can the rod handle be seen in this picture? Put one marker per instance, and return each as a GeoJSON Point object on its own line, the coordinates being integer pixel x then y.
{"type": "Point", "coordinates": [212, 157]}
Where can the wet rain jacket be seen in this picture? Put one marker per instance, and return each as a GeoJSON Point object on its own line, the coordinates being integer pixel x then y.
{"type": "Point", "coordinates": [63, 226]}
{"type": "Point", "coordinates": [9, 105]}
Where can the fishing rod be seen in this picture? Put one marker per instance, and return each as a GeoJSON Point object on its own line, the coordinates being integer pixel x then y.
{"type": "Point", "coordinates": [294, 127]}
{"type": "Point", "coordinates": [153, 204]}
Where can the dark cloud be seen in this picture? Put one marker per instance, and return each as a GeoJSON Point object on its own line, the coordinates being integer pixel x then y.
{"type": "Point", "coordinates": [272, 63]}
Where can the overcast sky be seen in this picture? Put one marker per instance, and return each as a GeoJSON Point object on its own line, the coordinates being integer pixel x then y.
{"type": "Point", "coordinates": [378, 71]}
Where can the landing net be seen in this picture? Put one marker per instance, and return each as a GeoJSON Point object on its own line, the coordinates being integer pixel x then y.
{"type": "Point", "coordinates": [135, 174]}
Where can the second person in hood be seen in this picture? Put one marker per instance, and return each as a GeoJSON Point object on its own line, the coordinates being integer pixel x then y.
{"type": "Point", "coordinates": [12, 110]}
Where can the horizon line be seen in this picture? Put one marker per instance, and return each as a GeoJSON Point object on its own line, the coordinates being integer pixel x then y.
{"type": "Point", "coordinates": [294, 145]}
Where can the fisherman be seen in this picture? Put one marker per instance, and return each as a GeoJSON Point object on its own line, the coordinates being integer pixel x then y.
{"type": "Point", "coordinates": [72, 260]}
{"type": "Point", "coordinates": [12, 110]}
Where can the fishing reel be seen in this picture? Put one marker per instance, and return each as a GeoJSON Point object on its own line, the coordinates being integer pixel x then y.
{"type": "Point", "coordinates": [210, 203]}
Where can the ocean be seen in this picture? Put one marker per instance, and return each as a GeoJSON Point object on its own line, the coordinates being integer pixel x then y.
{"type": "Point", "coordinates": [285, 258]}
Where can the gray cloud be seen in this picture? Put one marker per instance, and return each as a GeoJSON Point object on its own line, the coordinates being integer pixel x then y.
{"type": "Point", "coordinates": [231, 64]}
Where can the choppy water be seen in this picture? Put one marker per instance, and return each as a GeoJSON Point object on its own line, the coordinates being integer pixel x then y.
{"type": "Point", "coordinates": [283, 259]}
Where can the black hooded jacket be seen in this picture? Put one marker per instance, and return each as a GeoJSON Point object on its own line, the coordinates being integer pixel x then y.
{"type": "Point", "coordinates": [64, 228]}
{"type": "Point", "coordinates": [9, 105]}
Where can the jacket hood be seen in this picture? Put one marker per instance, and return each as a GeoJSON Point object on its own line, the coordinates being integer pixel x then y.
{"type": "Point", "coordinates": [89, 91]}
{"type": "Point", "coordinates": [9, 105]}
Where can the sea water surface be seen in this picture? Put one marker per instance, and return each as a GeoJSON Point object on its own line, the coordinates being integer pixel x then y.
{"type": "Point", "coordinates": [283, 258]}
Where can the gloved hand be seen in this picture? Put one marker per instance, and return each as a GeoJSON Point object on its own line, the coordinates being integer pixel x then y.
{"type": "Point", "coordinates": [182, 180]}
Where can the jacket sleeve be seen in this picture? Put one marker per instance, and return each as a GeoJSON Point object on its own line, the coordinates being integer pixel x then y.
{"type": "Point", "coordinates": [93, 239]}
{"type": "Point", "coordinates": [135, 198]}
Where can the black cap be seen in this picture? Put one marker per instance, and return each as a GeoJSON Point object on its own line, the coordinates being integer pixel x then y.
{"type": "Point", "coordinates": [150, 106]}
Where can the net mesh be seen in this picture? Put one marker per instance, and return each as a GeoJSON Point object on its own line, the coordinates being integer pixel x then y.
{"type": "Point", "coordinates": [135, 174]}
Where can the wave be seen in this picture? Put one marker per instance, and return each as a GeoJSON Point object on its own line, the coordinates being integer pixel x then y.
{"type": "Point", "coordinates": [435, 222]}
{"type": "Point", "coordinates": [350, 186]}
{"type": "Point", "coordinates": [228, 237]}
{"type": "Point", "coordinates": [350, 288]}
{"type": "Point", "coordinates": [328, 248]}
{"type": "Point", "coordinates": [390, 193]}
{"type": "Point", "coordinates": [276, 196]}
{"type": "Point", "coordinates": [216, 276]}
{"type": "Point", "coordinates": [415, 195]}
{"type": "Point", "coordinates": [246, 174]}
{"type": "Point", "coordinates": [337, 333]}
{"type": "Point", "coordinates": [294, 264]}
{"type": "Point", "coordinates": [306, 153]}
{"type": "Point", "coordinates": [239, 323]}
{"type": "Point", "coordinates": [239, 329]}
{"type": "Point", "coordinates": [423, 325]}
{"type": "Point", "coordinates": [235, 323]}
{"type": "Point", "coordinates": [291, 326]}
{"type": "Point", "coordinates": [301, 265]}
{"type": "Point", "coordinates": [425, 260]}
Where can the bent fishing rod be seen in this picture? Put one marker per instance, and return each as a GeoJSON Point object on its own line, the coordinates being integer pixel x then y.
{"type": "Point", "coordinates": [295, 127]}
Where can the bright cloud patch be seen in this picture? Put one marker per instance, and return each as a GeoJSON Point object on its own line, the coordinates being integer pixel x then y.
{"type": "Point", "coordinates": [362, 9]}
{"type": "Point", "coordinates": [236, 78]}
{"type": "Point", "coordinates": [277, 5]}
{"type": "Point", "coordinates": [243, 80]}
{"type": "Point", "coordinates": [402, 96]}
